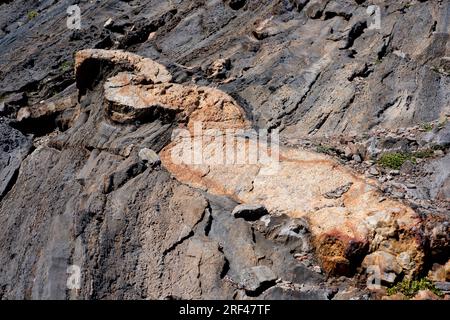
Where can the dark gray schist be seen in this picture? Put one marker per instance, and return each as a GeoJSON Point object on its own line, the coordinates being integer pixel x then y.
{"type": "Point", "coordinates": [339, 192]}
{"type": "Point", "coordinates": [293, 234]}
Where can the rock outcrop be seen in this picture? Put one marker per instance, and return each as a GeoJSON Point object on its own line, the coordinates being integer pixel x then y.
{"type": "Point", "coordinates": [102, 177]}
{"type": "Point", "coordinates": [346, 225]}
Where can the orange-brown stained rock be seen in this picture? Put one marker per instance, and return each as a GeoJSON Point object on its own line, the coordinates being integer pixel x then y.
{"type": "Point", "coordinates": [346, 225]}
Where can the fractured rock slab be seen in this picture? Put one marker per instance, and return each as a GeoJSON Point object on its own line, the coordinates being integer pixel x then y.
{"type": "Point", "coordinates": [388, 267]}
{"type": "Point", "coordinates": [343, 227]}
{"type": "Point", "coordinates": [257, 278]}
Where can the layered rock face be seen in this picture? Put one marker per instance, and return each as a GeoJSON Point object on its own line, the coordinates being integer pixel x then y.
{"type": "Point", "coordinates": [345, 214]}
{"type": "Point", "coordinates": [125, 175]}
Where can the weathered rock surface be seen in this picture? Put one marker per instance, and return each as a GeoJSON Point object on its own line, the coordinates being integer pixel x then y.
{"type": "Point", "coordinates": [106, 204]}
{"type": "Point", "coordinates": [345, 226]}
{"type": "Point", "coordinates": [440, 273]}
{"type": "Point", "coordinates": [346, 217]}
{"type": "Point", "coordinates": [149, 156]}
{"type": "Point", "coordinates": [15, 147]}
{"type": "Point", "coordinates": [249, 212]}
{"type": "Point", "coordinates": [425, 295]}
{"type": "Point", "coordinates": [389, 266]}
{"type": "Point", "coordinates": [76, 190]}
{"type": "Point", "coordinates": [435, 182]}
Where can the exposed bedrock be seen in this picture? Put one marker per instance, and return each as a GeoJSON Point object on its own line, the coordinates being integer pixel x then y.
{"type": "Point", "coordinates": [97, 173]}
{"type": "Point", "coordinates": [345, 225]}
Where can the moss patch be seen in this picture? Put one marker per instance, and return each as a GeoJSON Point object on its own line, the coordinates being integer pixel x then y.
{"type": "Point", "coordinates": [410, 287]}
